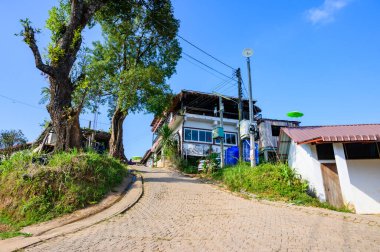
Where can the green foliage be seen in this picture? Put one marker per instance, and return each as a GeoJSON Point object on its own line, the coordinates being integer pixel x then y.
{"type": "Point", "coordinates": [57, 24]}
{"type": "Point", "coordinates": [10, 138]}
{"type": "Point", "coordinates": [137, 55]}
{"type": "Point", "coordinates": [184, 165]}
{"type": "Point", "coordinates": [32, 193]}
{"type": "Point", "coordinates": [211, 164]}
{"type": "Point", "coordinates": [270, 181]}
{"type": "Point", "coordinates": [55, 53]}
{"type": "Point", "coordinates": [28, 31]}
{"type": "Point", "coordinates": [58, 20]}
{"type": "Point", "coordinates": [166, 138]}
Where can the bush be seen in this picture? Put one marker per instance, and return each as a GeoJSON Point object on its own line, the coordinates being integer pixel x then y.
{"type": "Point", "coordinates": [31, 192]}
{"type": "Point", "coordinates": [270, 181]}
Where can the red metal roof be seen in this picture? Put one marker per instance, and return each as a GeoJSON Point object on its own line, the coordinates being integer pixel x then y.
{"type": "Point", "coordinates": [334, 133]}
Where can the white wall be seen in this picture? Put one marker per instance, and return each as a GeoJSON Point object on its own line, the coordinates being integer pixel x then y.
{"type": "Point", "coordinates": [365, 185]}
{"type": "Point", "coordinates": [207, 122]}
{"type": "Point", "coordinates": [359, 179]}
{"type": "Point", "coordinates": [303, 158]}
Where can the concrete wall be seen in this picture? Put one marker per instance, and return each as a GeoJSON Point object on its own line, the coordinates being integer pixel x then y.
{"type": "Point", "coordinates": [206, 123]}
{"type": "Point", "coordinates": [359, 179]}
{"type": "Point", "coordinates": [303, 158]}
{"type": "Point", "coordinates": [365, 185]}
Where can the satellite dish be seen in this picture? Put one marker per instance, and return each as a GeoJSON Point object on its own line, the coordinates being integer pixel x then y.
{"type": "Point", "coordinates": [247, 52]}
{"type": "Point", "coordinates": [295, 114]}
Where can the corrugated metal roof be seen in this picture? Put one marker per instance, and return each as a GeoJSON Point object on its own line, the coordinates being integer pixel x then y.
{"type": "Point", "coordinates": [334, 133]}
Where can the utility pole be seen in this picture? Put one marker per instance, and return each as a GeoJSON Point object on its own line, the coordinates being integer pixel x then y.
{"type": "Point", "coordinates": [248, 53]}
{"type": "Point", "coordinates": [240, 113]}
{"type": "Point", "coordinates": [221, 109]}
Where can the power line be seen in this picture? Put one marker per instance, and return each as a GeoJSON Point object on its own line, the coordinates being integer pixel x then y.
{"type": "Point", "coordinates": [190, 43]}
{"type": "Point", "coordinates": [204, 64]}
{"type": "Point", "coordinates": [202, 68]}
{"type": "Point", "coordinates": [37, 107]}
{"type": "Point", "coordinates": [203, 99]}
{"type": "Point", "coordinates": [20, 102]}
{"type": "Point", "coordinates": [205, 52]}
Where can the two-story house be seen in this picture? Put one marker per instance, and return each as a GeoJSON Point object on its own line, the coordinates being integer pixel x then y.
{"type": "Point", "coordinates": [192, 116]}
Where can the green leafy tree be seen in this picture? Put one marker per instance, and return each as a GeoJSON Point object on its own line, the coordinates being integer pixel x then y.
{"type": "Point", "coordinates": [139, 53]}
{"type": "Point", "coordinates": [10, 138]}
{"type": "Point", "coordinates": [66, 23]}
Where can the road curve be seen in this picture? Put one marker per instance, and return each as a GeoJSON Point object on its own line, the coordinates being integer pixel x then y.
{"type": "Point", "coordinates": [178, 213]}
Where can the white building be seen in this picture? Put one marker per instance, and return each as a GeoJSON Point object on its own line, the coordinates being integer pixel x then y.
{"type": "Point", "coordinates": [192, 117]}
{"type": "Point", "coordinates": [341, 163]}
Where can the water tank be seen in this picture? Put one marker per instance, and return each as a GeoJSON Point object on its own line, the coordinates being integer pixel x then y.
{"type": "Point", "coordinates": [232, 155]}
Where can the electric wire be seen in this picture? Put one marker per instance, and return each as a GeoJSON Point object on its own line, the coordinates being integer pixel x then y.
{"type": "Point", "coordinates": [204, 64]}
{"type": "Point", "coordinates": [205, 52]}
{"type": "Point", "coordinates": [188, 60]}
{"type": "Point", "coordinates": [190, 43]}
{"type": "Point", "coordinates": [41, 108]}
{"type": "Point", "coordinates": [203, 99]}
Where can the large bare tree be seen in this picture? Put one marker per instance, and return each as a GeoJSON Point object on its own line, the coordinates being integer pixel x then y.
{"type": "Point", "coordinates": [66, 23]}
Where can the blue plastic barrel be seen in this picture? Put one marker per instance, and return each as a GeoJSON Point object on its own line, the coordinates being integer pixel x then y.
{"type": "Point", "coordinates": [231, 155]}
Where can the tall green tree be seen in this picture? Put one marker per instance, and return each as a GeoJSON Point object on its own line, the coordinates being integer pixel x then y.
{"type": "Point", "coordinates": [10, 138]}
{"type": "Point", "coordinates": [139, 53]}
{"type": "Point", "coordinates": [66, 23]}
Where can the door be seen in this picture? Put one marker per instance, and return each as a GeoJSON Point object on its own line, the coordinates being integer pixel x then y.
{"type": "Point", "coordinates": [332, 185]}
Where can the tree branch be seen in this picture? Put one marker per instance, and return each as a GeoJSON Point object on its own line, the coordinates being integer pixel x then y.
{"type": "Point", "coordinates": [81, 13]}
{"type": "Point", "coordinates": [29, 38]}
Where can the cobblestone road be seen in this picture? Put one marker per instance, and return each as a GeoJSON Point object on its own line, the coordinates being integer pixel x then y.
{"type": "Point", "coordinates": [178, 213]}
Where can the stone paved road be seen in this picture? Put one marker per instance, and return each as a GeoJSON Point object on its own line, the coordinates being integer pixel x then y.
{"type": "Point", "coordinates": [178, 213]}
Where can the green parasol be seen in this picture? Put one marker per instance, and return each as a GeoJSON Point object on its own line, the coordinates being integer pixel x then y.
{"type": "Point", "coordinates": [295, 114]}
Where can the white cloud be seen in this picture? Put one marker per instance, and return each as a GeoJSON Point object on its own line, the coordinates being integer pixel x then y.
{"type": "Point", "coordinates": [325, 13]}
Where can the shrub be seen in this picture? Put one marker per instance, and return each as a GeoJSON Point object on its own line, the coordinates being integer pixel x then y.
{"type": "Point", "coordinates": [31, 192]}
{"type": "Point", "coordinates": [270, 181]}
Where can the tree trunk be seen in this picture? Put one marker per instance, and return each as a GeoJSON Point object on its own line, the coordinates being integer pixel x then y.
{"type": "Point", "coordinates": [65, 118]}
{"type": "Point", "coordinates": [116, 141]}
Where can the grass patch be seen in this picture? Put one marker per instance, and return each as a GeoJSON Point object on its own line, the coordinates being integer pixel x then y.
{"type": "Point", "coordinates": [32, 193]}
{"type": "Point", "coordinates": [270, 181]}
{"type": "Point", "coordinates": [6, 235]}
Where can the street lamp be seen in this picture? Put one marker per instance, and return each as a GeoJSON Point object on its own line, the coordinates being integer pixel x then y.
{"type": "Point", "coordinates": [248, 53]}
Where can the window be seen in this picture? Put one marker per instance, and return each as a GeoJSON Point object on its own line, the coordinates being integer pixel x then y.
{"type": "Point", "coordinates": [361, 150]}
{"type": "Point", "coordinates": [275, 130]}
{"type": "Point", "coordinates": [188, 134]}
{"type": "Point", "coordinates": [325, 151]}
{"type": "Point", "coordinates": [202, 136]}
{"type": "Point", "coordinates": [208, 137]}
{"type": "Point", "coordinates": [229, 138]}
{"type": "Point", "coordinates": [195, 135]}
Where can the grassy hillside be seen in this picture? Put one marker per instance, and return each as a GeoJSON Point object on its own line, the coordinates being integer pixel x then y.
{"type": "Point", "coordinates": [270, 181]}
{"type": "Point", "coordinates": [31, 192]}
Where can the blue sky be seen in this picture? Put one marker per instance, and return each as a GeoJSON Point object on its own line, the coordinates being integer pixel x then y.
{"type": "Point", "coordinates": [321, 57]}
